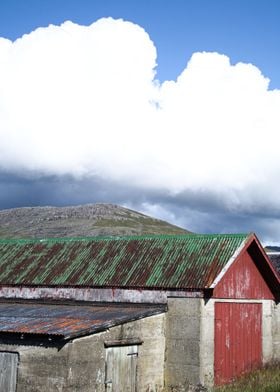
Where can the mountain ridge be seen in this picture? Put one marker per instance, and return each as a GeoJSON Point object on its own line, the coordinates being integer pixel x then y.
{"type": "Point", "coordinates": [87, 220]}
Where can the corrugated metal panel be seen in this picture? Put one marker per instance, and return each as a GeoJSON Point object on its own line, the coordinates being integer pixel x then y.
{"type": "Point", "coordinates": [243, 280]}
{"type": "Point", "coordinates": [275, 259]}
{"type": "Point", "coordinates": [67, 321]}
{"type": "Point", "coordinates": [187, 261]}
{"type": "Point", "coordinates": [238, 339]}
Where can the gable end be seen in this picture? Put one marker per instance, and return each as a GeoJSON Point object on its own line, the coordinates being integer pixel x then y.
{"type": "Point", "coordinates": [250, 276]}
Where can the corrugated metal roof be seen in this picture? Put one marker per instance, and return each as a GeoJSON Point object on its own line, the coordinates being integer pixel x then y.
{"type": "Point", "coordinates": [275, 259]}
{"type": "Point", "coordinates": [184, 261]}
{"type": "Point", "coordinates": [68, 321]}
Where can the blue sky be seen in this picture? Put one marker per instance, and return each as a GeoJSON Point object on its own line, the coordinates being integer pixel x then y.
{"type": "Point", "coordinates": [244, 30]}
{"type": "Point", "coordinates": [84, 118]}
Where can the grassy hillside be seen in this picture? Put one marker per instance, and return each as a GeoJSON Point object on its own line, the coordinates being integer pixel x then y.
{"type": "Point", "coordinates": [86, 220]}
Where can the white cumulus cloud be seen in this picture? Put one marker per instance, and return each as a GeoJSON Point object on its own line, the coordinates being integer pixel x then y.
{"type": "Point", "coordinates": [84, 100]}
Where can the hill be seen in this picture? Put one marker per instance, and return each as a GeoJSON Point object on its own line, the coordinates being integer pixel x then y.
{"type": "Point", "coordinates": [80, 221]}
{"type": "Point", "coordinates": [270, 248]}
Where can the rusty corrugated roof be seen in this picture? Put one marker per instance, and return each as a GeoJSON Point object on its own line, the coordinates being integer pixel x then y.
{"type": "Point", "coordinates": [68, 321]}
{"type": "Point", "coordinates": [175, 262]}
{"type": "Point", "coordinates": [275, 259]}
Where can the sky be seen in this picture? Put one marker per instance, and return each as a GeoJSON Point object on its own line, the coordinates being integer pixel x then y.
{"type": "Point", "coordinates": [171, 108]}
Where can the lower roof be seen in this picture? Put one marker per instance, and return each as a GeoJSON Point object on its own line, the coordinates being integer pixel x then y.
{"type": "Point", "coordinates": [66, 321]}
{"type": "Point", "coordinates": [275, 259]}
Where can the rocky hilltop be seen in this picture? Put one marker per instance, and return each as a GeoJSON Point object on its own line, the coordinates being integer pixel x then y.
{"type": "Point", "coordinates": [79, 221]}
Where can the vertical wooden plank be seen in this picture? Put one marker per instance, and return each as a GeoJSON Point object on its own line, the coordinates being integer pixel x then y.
{"type": "Point", "coordinates": [238, 339]}
{"type": "Point", "coordinates": [243, 280]}
{"type": "Point", "coordinates": [132, 355]}
{"type": "Point", "coordinates": [8, 371]}
{"type": "Point", "coordinates": [121, 368]}
{"type": "Point", "coordinates": [109, 369]}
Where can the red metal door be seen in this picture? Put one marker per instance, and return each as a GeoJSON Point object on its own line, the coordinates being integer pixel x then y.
{"type": "Point", "coordinates": [238, 339]}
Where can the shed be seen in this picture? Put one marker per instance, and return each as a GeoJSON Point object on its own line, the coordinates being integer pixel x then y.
{"type": "Point", "coordinates": [84, 313]}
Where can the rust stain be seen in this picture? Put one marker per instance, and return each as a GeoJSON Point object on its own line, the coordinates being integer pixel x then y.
{"type": "Point", "coordinates": [177, 262]}
{"type": "Point", "coordinates": [66, 320]}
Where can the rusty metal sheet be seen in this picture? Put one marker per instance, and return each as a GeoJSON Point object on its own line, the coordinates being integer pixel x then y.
{"type": "Point", "coordinates": [67, 321]}
{"type": "Point", "coordinates": [177, 262]}
{"type": "Point", "coordinates": [275, 259]}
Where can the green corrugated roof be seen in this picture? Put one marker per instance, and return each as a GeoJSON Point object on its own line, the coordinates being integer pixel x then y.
{"type": "Point", "coordinates": [158, 261]}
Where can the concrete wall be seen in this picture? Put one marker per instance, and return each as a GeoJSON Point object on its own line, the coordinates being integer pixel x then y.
{"type": "Point", "coordinates": [206, 353]}
{"type": "Point", "coordinates": [267, 331]}
{"type": "Point", "coordinates": [276, 331]}
{"type": "Point", "coordinates": [182, 365]}
{"type": "Point", "coordinates": [80, 365]}
{"type": "Point", "coordinates": [39, 368]}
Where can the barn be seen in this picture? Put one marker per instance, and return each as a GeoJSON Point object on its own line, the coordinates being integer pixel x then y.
{"type": "Point", "coordinates": [152, 313]}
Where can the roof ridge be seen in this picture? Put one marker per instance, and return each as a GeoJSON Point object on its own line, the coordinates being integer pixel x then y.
{"type": "Point", "coordinates": [127, 237]}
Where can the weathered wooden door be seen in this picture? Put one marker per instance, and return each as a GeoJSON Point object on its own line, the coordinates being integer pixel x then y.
{"type": "Point", "coordinates": [8, 371]}
{"type": "Point", "coordinates": [121, 366]}
{"type": "Point", "coordinates": [238, 339]}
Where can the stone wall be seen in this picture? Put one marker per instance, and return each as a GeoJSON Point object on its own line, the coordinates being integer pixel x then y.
{"type": "Point", "coordinates": [80, 365]}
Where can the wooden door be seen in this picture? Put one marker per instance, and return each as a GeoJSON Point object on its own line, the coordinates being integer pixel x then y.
{"type": "Point", "coordinates": [121, 365]}
{"type": "Point", "coordinates": [8, 371]}
{"type": "Point", "coordinates": [238, 339]}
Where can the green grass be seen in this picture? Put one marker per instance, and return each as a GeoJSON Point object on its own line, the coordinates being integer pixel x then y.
{"type": "Point", "coordinates": [266, 379]}
{"type": "Point", "coordinates": [143, 225]}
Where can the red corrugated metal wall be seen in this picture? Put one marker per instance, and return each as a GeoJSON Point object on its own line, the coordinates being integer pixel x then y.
{"type": "Point", "coordinates": [238, 339]}
{"type": "Point", "coordinates": [243, 280]}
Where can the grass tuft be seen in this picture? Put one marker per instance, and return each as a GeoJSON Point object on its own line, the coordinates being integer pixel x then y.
{"type": "Point", "coordinates": [266, 379]}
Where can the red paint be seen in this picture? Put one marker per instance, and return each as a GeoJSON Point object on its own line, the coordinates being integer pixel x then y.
{"type": "Point", "coordinates": [238, 339]}
{"type": "Point", "coordinates": [243, 280]}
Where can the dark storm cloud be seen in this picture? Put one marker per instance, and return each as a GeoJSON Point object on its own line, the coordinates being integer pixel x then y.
{"type": "Point", "coordinates": [197, 211]}
{"type": "Point", "coordinates": [19, 191]}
